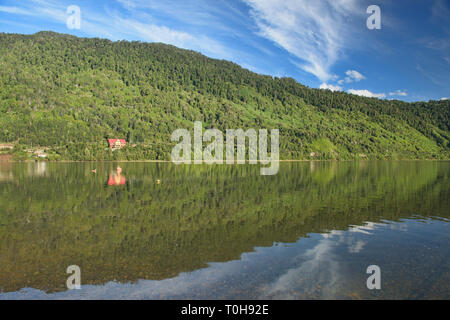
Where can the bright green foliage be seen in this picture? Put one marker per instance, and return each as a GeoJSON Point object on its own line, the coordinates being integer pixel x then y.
{"type": "Point", "coordinates": [69, 94]}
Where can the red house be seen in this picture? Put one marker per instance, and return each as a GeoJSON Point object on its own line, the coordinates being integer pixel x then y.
{"type": "Point", "coordinates": [117, 143]}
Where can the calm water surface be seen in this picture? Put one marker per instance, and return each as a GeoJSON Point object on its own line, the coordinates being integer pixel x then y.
{"type": "Point", "coordinates": [225, 232]}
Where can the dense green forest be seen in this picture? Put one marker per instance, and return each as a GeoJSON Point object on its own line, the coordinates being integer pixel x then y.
{"type": "Point", "coordinates": [67, 95]}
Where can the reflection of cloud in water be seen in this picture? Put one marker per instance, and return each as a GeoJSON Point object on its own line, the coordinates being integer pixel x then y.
{"type": "Point", "coordinates": [316, 277]}
{"type": "Point", "coordinates": [356, 247]}
{"type": "Point", "coordinates": [332, 234]}
{"type": "Point", "coordinates": [368, 226]}
{"type": "Point", "coordinates": [184, 286]}
{"type": "Point", "coordinates": [319, 275]}
{"type": "Point", "coordinates": [399, 226]}
{"type": "Point", "coordinates": [314, 268]}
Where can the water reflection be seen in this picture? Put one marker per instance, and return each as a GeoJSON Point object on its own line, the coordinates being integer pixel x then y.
{"type": "Point", "coordinates": [225, 231]}
{"type": "Point", "coordinates": [116, 178]}
{"type": "Point", "coordinates": [5, 171]}
{"type": "Point", "coordinates": [37, 169]}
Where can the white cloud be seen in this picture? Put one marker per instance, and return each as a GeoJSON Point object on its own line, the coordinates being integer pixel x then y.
{"type": "Point", "coordinates": [353, 75]}
{"type": "Point", "coordinates": [14, 10]}
{"type": "Point", "coordinates": [315, 32]}
{"type": "Point", "coordinates": [444, 98]}
{"type": "Point", "coordinates": [330, 87]}
{"type": "Point", "coordinates": [398, 93]}
{"type": "Point", "coordinates": [367, 93]}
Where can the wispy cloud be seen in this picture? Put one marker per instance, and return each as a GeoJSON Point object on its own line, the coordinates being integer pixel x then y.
{"type": "Point", "coordinates": [304, 39]}
{"type": "Point", "coordinates": [215, 28]}
{"type": "Point", "coordinates": [367, 93]}
{"type": "Point", "coordinates": [200, 25]}
{"type": "Point", "coordinates": [15, 10]}
{"type": "Point", "coordinates": [315, 32]}
{"type": "Point", "coordinates": [440, 10]}
{"type": "Point", "coordinates": [218, 15]}
{"type": "Point", "coordinates": [115, 25]}
{"type": "Point", "coordinates": [156, 33]}
{"type": "Point", "coordinates": [38, 9]}
{"type": "Point", "coordinates": [398, 93]}
{"type": "Point", "coordinates": [128, 4]}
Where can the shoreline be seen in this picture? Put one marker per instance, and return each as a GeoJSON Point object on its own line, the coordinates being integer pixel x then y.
{"type": "Point", "coordinates": [168, 161]}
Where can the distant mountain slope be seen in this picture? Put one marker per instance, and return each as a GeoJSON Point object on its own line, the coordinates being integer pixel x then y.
{"type": "Point", "coordinates": [66, 95]}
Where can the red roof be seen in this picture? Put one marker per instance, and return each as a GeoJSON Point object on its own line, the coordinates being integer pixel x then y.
{"type": "Point", "coordinates": [113, 142]}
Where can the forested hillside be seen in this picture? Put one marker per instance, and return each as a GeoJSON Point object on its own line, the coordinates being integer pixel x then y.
{"type": "Point", "coordinates": [67, 95]}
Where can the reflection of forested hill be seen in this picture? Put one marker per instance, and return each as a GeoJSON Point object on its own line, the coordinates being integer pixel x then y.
{"type": "Point", "coordinates": [68, 94]}
{"type": "Point", "coordinates": [63, 214]}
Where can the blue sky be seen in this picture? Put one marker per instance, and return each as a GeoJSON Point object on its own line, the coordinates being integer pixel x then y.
{"type": "Point", "coordinates": [320, 43]}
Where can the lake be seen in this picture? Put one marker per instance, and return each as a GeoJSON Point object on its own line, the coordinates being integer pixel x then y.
{"type": "Point", "coordinates": [161, 231]}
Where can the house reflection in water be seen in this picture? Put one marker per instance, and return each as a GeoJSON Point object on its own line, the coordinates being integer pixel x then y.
{"type": "Point", "coordinates": [116, 178]}
{"type": "Point", "coordinates": [5, 171]}
{"type": "Point", "coordinates": [37, 169]}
